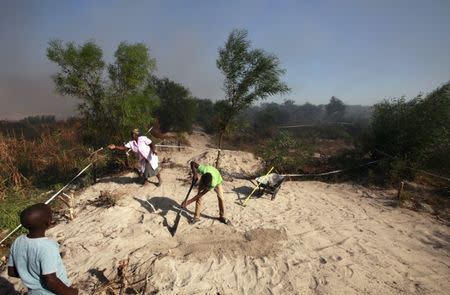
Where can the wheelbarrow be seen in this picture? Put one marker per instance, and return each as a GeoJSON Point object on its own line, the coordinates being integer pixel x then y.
{"type": "Point", "coordinates": [269, 184]}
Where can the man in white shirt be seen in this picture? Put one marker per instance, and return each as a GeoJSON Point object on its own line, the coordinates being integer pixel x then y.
{"type": "Point", "coordinates": [146, 151]}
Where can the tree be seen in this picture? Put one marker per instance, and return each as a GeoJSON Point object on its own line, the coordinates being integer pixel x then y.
{"type": "Point", "coordinates": [138, 111]}
{"type": "Point", "coordinates": [250, 75]}
{"type": "Point", "coordinates": [269, 118]}
{"type": "Point", "coordinates": [131, 69]}
{"type": "Point", "coordinates": [205, 115]}
{"type": "Point", "coordinates": [178, 109]}
{"type": "Point", "coordinates": [416, 132]}
{"type": "Point", "coordinates": [80, 75]}
{"type": "Point", "coordinates": [108, 107]}
{"type": "Point", "coordinates": [335, 109]}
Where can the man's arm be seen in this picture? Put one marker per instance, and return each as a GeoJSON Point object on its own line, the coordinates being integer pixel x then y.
{"type": "Point", "coordinates": [12, 272]}
{"type": "Point", "coordinates": [198, 196]}
{"type": "Point", "coordinates": [117, 147]}
{"type": "Point", "coordinates": [194, 167]}
{"type": "Point", "coordinates": [153, 148]}
{"type": "Point", "coordinates": [52, 283]}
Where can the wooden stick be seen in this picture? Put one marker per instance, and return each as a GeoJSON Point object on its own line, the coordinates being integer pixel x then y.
{"type": "Point", "coordinates": [217, 163]}
{"type": "Point", "coordinates": [400, 190]}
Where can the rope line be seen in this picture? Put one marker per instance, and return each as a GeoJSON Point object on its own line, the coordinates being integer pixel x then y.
{"type": "Point", "coordinates": [419, 170]}
{"type": "Point", "coordinates": [330, 172]}
{"type": "Point", "coordinates": [50, 199]}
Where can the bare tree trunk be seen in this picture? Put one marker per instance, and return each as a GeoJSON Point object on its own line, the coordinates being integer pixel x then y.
{"type": "Point", "coordinates": [221, 134]}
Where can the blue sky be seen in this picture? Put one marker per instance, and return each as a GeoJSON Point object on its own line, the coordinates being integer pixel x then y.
{"type": "Point", "coordinates": [358, 50]}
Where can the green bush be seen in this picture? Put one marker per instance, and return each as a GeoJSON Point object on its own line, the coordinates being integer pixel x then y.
{"type": "Point", "coordinates": [14, 203]}
{"type": "Point", "coordinates": [177, 110]}
{"type": "Point", "coordinates": [205, 115]}
{"type": "Point", "coordinates": [415, 133]}
{"type": "Point", "coordinates": [138, 112]}
{"type": "Point", "coordinates": [286, 153]}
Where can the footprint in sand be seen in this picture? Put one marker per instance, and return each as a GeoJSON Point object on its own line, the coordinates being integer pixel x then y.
{"type": "Point", "coordinates": [323, 281]}
{"type": "Point", "coordinates": [313, 283]}
{"type": "Point", "coordinates": [348, 272]}
{"type": "Point", "coordinates": [336, 258]}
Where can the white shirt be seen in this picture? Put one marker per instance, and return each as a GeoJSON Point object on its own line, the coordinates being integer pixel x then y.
{"type": "Point", "coordinates": [142, 148]}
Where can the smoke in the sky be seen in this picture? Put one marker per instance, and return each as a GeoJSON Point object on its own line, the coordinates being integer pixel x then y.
{"type": "Point", "coordinates": [360, 51]}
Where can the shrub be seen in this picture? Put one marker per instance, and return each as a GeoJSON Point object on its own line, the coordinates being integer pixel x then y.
{"type": "Point", "coordinates": [178, 109]}
{"type": "Point", "coordinates": [415, 132]}
{"type": "Point", "coordinates": [287, 153]}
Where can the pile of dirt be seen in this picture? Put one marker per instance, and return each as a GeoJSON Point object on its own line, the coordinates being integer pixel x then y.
{"type": "Point", "coordinates": [232, 163]}
{"type": "Point", "coordinates": [229, 242]}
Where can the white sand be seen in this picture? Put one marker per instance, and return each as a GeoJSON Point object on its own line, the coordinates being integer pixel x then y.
{"type": "Point", "coordinates": [314, 238]}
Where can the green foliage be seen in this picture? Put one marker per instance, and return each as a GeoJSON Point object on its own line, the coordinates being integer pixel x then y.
{"type": "Point", "coordinates": [80, 75]}
{"type": "Point", "coordinates": [416, 132]}
{"type": "Point", "coordinates": [132, 67]}
{"type": "Point", "coordinates": [250, 75]}
{"type": "Point", "coordinates": [287, 153]}
{"type": "Point", "coordinates": [335, 109]}
{"type": "Point", "coordinates": [178, 109]}
{"type": "Point", "coordinates": [205, 115]}
{"type": "Point", "coordinates": [137, 112]}
{"type": "Point", "coordinates": [224, 114]}
{"type": "Point", "coordinates": [268, 120]}
{"type": "Point", "coordinates": [109, 108]}
{"type": "Point", "coordinates": [13, 204]}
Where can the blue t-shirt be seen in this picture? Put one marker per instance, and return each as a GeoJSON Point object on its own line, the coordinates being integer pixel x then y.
{"type": "Point", "coordinates": [34, 258]}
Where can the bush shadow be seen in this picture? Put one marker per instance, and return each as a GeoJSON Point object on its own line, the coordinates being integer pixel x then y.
{"type": "Point", "coordinates": [99, 275]}
{"type": "Point", "coordinates": [120, 180]}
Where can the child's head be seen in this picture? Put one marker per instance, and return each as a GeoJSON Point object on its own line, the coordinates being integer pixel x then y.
{"type": "Point", "coordinates": [205, 181]}
{"type": "Point", "coordinates": [36, 217]}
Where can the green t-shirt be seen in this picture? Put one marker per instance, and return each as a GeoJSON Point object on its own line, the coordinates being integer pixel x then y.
{"type": "Point", "coordinates": [216, 177]}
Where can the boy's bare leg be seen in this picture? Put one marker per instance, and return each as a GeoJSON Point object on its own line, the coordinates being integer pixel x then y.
{"type": "Point", "coordinates": [198, 206]}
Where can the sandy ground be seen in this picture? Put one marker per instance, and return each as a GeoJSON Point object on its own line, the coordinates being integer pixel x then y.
{"type": "Point", "coordinates": [314, 238]}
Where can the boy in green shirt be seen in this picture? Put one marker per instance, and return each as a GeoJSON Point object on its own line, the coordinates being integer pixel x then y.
{"type": "Point", "coordinates": [210, 180]}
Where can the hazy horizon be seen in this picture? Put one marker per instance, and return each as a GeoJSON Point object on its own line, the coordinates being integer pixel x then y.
{"type": "Point", "coordinates": [358, 51]}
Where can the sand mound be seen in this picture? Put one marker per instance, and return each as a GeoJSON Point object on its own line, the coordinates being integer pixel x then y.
{"type": "Point", "coordinates": [227, 241]}
{"type": "Point", "coordinates": [232, 163]}
{"type": "Point", "coordinates": [236, 164]}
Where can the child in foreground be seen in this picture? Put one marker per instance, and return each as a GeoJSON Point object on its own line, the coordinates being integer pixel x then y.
{"type": "Point", "coordinates": [35, 259]}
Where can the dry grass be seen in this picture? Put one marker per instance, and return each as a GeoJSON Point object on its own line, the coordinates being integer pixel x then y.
{"type": "Point", "coordinates": [9, 170]}
{"type": "Point", "coordinates": [49, 159]}
{"type": "Point", "coordinates": [106, 199]}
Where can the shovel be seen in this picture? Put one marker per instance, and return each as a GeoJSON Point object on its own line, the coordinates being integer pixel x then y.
{"type": "Point", "coordinates": [173, 229]}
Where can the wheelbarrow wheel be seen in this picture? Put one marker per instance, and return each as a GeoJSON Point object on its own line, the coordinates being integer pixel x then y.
{"type": "Point", "coordinates": [275, 193]}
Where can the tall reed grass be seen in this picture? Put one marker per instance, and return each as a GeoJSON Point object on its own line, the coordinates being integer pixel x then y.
{"type": "Point", "coordinates": [51, 158]}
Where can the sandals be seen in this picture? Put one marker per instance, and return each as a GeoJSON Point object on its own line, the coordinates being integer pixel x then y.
{"type": "Point", "coordinates": [221, 219]}
{"type": "Point", "coordinates": [195, 220]}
